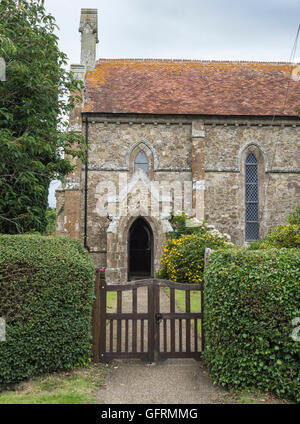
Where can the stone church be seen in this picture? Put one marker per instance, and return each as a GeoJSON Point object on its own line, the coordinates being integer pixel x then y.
{"type": "Point", "coordinates": [216, 139]}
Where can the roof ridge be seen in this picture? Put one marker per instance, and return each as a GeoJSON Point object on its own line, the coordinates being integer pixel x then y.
{"type": "Point", "coordinates": [190, 60]}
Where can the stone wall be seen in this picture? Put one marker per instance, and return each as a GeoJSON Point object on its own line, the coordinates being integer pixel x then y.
{"type": "Point", "coordinates": [113, 146]}
{"type": "Point", "coordinates": [280, 144]}
{"type": "Point", "coordinates": [207, 153]}
{"type": "Point", "coordinates": [277, 147]}
{"type": "Point", "coordinates": [112, 142]}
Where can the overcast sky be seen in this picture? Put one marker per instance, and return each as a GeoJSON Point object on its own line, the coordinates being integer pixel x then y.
{"type": "Point", "coordinates": [262, 30]}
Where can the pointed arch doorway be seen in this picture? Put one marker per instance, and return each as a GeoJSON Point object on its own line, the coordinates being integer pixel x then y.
{"type": "Point", "coordinates": [140, 250]}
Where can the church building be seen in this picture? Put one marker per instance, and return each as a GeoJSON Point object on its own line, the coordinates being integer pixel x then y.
{"type": "Point", "coordinates": [216, 139]}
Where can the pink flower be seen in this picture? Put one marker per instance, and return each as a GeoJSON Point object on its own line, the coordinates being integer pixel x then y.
{"type": "Point", "coordinates": [101, 269]}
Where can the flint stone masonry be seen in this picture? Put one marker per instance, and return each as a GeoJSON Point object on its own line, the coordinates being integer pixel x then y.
{"type": "Point", "coordinates": [219, 162]}
{"type": "Point", "coordinates": [281, 145]}
{"type": "Point", "coordinates": [110, 145]}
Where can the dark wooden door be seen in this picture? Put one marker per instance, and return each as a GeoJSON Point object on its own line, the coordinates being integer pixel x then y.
{"type": "Point", "coordinates": [140, 250]}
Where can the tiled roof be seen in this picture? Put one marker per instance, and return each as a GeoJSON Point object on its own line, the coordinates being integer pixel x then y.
{"type": "Point", "coordinates": [192, 87]}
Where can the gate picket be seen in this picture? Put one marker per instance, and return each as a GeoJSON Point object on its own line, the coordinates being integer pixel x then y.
{"type": "Point", "coordinates": [188, 322]}
{"type": "Point", "coordinates": [159, 335]}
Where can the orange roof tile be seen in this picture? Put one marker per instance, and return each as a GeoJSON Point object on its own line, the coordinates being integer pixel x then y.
{"type": "Point", "coordinates": [192, 87]}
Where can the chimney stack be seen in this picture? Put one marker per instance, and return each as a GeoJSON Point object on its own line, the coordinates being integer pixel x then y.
{"type": "Point", "coordinates": [89, 37]}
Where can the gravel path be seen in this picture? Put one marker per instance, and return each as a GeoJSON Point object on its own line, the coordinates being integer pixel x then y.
{"type": "Point", "coordinates": [171, 382]}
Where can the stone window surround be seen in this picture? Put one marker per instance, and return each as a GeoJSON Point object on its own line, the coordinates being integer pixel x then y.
{"type": "Point", "coordinates": [146, 147]}
{"type": "Point", "coordinates": [149, 151]}
{"type": "Point", "coordinates": [246, 147]}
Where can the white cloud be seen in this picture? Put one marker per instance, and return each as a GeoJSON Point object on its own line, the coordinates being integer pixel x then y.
{"type": "Point", "coordinates": [199, 29]}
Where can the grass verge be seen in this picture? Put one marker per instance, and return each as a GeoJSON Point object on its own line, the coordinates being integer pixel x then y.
{"type": "Point", "coordinates": [75, 387]}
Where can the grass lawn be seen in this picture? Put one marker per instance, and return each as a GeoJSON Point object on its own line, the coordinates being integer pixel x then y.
{"type": "Point", "coordinates": [111, 302]}
{"type": "Point", "coordinates": [75, 387]}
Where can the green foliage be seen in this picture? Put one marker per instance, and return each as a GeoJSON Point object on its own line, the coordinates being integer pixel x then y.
{"type": "Point", "coordinates": [46, 295]}
{"type": "Point", "coordinates": [294, 217]}
{"type": "Point", "coordinates": [183, 225]}
{"type": "Point", "coordinates": [183, 258]}
{"type": "Point", "coordinates": [287, 235]}
{"type": "Point", "coordinates": [283, 236]}
{"type": "Point", "coordinates": [34, 101]}
{"type": "Point", "coordinates": [251, 298]}
{"type": "Point", "coordinates": [51, 222]}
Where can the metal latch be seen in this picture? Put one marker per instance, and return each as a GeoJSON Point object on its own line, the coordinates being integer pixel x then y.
{"type": "Point", "coordinates": [158, 318]}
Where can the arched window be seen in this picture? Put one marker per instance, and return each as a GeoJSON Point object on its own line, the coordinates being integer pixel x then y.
{"type": "Point", "coordinates": [251, 197]}
{"type": "Point", "coordinates": [141, 162]}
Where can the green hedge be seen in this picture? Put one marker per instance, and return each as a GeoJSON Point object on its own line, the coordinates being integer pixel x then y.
{"type": "Point", "coordinates": [251, 298]}
{"type": "Point", "coordinates": [46, 295]}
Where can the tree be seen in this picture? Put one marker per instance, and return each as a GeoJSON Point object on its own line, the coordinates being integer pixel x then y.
{"type": "Point", "coordinates": [34, 101]}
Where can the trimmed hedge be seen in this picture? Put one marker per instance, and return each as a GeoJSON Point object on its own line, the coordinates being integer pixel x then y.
{"type": "Point", "coordinates": [251, 298]}
{"type": "Point", "coordinates": [46, 296]}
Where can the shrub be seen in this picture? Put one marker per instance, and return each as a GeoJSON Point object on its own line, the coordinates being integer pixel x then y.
{"type": "Point", "coordinates": [183, 225]}
{"type": "Point", "coordinates": [46, 295]}
{"type": "Point", "coordinates": [294, 217]}
{"type": "Point", "coordinates": [283, 236]}
{"type": "Point", "coordinates": [251, 298]}
{"type": "Point", "coordinates": [183, 258]}
{"type": "Point", "coordinates": [287, 235]}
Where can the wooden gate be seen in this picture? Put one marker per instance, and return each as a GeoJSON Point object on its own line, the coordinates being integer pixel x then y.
{"type": "Point", "coordinates": [147, 323]}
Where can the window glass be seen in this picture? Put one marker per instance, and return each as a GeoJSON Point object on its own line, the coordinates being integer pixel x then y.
{"type": "Point", "coordinates": [251, 198]}
{"type": "Point", "coordinates": [141, 162]}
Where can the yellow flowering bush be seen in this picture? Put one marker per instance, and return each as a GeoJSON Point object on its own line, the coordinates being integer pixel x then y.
{"type": "Point", "coordinates": [183, 255]}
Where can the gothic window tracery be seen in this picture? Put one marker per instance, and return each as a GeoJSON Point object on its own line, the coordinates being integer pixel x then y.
{"type": "Point", "coordinates": [251, 198]}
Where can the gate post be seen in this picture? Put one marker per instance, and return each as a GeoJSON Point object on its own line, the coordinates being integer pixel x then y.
{"type": "Point", "coordinates": [156, 329]}
{"type": "Point", "coordinates": [202, 320]}
{"type": "Point", "coordinates": [96, 319]}
{"type": "Point", "coordinates": [207, 254]}
{"type": "Point", "coordinates": [102, 324]}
